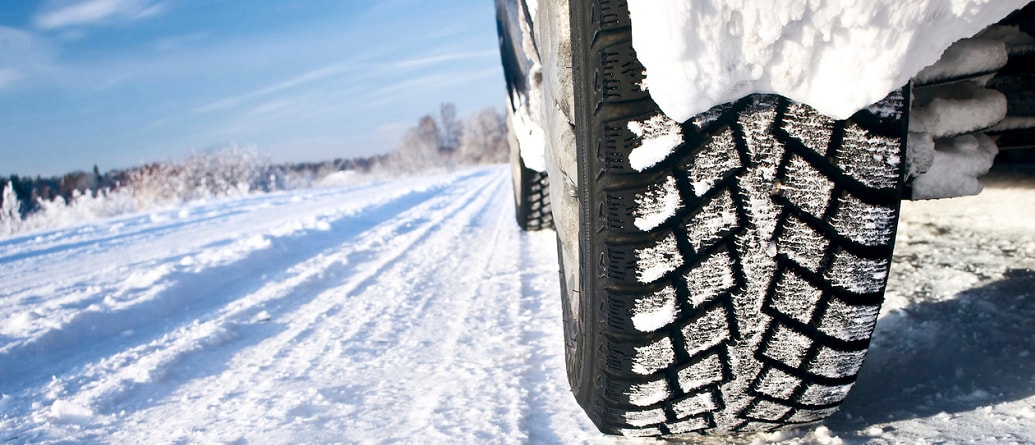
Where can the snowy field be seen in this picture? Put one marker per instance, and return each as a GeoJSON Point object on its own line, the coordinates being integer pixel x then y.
{"type": "Point", "coordinates": [415, 311]}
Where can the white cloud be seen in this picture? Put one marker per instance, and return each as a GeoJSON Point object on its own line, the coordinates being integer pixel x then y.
{"type": "Point", "coordinates": [22, 56]}
{"type": "Point", "coordinates": [401, 91]}
{"type": "Point", "coordinates": [301, 79]}
{"type": "Point", "coordinates": [95, 11]}
{"type": "Point", "coordinates": [447, 57]}
{"type": "Point", "coordinates": [8, 76]}
{"type": "Point", "coordinates": [179, 42]}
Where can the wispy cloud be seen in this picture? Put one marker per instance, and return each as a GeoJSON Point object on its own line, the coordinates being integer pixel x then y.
{"type": "Point", "coordinates": [179, 42]}
{"type": "Point", "coordinates": [8, 76]}
{"type": "Point", "coordinates": [91, 12]}
{"type": "Point", "coordinates": [447, 57]}
{"type": "Point", "coordinates": [403, 90]}
{"type": "Point", "coordinates": [23, 56]}
{"type": "Point", "coordinates": [304, 78]}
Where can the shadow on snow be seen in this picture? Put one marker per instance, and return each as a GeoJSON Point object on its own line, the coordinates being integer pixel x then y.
{"type": "Point", "coordinates": [951, 356]}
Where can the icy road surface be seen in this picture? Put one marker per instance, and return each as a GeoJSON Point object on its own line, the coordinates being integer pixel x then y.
{"type": "Point", "coordinates": [416, 312]}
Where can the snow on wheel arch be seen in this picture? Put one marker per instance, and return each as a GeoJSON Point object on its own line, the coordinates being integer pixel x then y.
{"type": "Point", "coordinates": [838, 56]}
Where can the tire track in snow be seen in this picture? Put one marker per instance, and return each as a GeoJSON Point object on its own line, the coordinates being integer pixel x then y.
{"type": "Point", "coordinates": [387, 333]}
{"type": "Point", "coordinates": [210, 225]}
{"type": "Point", "coordinates": [223, 335]}
{"type": "Point", "coordinates": [122, 373]}
{"type": "Point", "coordinates": [188, 294]}
{"type": "Point", "coordinates": [429, 321]}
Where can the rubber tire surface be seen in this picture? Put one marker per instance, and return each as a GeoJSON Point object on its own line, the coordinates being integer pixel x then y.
{"type": "Point", "coordinates": [531, 198]}
{"type": "Point", "coordinates": [733, 285]}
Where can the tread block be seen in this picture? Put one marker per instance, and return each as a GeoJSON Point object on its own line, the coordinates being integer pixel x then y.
{"type": "Point", "coordinates": [758, 426]}
{"type": "Point", "coordinates": [658, 260]}
{"type": "Point", "coordinates": [848, 322]}
{"type": "Point", "coordinates": [689, 425]}
{"type": "Point", "coordinates": [611, 15]}
{"type": "Point", "coordinates": [803, 245]}
{"type": "Point", "coordinates": [887, 111]}
{"type": "Point", "coordinates": [777, 384]}
{"type": "Point", "coordinates": [866, 224]}
{"type": "Point", "coordinates": [618, 144]}
{"type": "Point", "coordinates": [653, 205]}
{"type": "Point", "coordinates": [819, 395]}
{"type": "Point", "coordinates": [708, 371]}
{"type": "Point", "coordinates": [856, 274]}
{"type": "Point", "coordinates": [871, 159]}
{"type": "Point", "coordinates": [812, 129]}
{"type": "Point", "coordinates": [640, 432]}
{"type": "Point", "coordinates": [835, 364]}
{"type": "Point", "coordinates": [700, 403]}
{"type": "Point", "coordinates": [710, 279]}
{"type": "Point", "coordinates": [619, 210]}
{"type": "Point", "coordinates": [787, 346]}
{"type": "Point", "coordinates": [613, 148]}
{"type": "Point", "coordinates": [717, 160]}
{"type": "Point", "coordinates": [757, 123]}
{"type": "Point", "coordinates": [706, 331]}
{"type": "Point", "coordinates": [658, 138]}
{"type": "Point", "coordinates": [714, 221]}
{"type": "Point", "coordinates": [795, 297]}
{"type": "Point", "coordinates": [805, 188]}
{"type": "Point", "coordinates": [649, 393]}
{"type": "Point", "coordinates": [653, 357]}
{"type": "Point", "coordinates": [768, 410]}
{"type": "Point", "coordinates": [714, 117]}
{"type": "Point", "coordinates": [655, 311]}
{"type": "Point", "coordinates": [811, 415]}
{"type": "Point", "coordinates": [619, 261]}
{"type": "Point", "coordinates": [645, 418]}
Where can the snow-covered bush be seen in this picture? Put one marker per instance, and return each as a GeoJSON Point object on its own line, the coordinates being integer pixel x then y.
{"type": "Point", "coordinates": [153, 184]}
{"type": "Point", "coordinates": [82, 207]}
{"type": "Point", "coordinates": [433, 145]}
{"type": "Point", "coordinates": [231, 170]}
{"type": "Point", "coordinates": [10, 218]}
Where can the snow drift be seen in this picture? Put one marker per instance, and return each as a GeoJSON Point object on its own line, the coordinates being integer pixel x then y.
{"type": "Point", "coordinates": [837, 56]}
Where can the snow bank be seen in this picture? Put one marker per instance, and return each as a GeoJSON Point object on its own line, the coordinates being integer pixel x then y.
{"type": "Point", "coordinates": [837, 56]}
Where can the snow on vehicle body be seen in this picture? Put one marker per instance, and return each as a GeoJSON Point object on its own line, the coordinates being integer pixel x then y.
{"type": "Point", "coordinates": [725, 180]}
{"type": "Point", "coordinates": [836, 56]}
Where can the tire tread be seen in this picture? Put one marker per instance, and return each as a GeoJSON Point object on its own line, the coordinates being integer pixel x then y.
{"type": "Point", "coordinates": [800, 316]}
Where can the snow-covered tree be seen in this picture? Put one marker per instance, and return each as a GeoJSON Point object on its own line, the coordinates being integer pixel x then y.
{"type": "Point", "coordinates": [229, 170]}
{"type": "Point", "coordinates": [484, 139]}
{"type": "Point", "coordinates": [451, 130]}
{"type": "Point", "coordinates": [418, 150]}
{"type": "Point", "coordinates": [9, 213]}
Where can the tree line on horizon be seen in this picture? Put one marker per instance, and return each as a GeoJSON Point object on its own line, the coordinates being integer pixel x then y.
{"type": "Point", "coordinates": [441, 142]}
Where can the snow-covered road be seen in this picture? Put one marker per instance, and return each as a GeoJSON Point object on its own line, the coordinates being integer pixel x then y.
{"type": "Point", "coordinates": [415, 311]}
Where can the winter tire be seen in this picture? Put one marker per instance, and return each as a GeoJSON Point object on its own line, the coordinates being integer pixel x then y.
{"type": "Point", "coordinates": [531, 197]}
{"type": "Point", "coordinates": [531, 187]}
{"type": "Point", "coordinates": [729, 282]}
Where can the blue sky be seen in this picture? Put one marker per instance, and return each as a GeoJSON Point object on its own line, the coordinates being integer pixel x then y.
{"type": "Point", "coordinates": [118, 83]}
